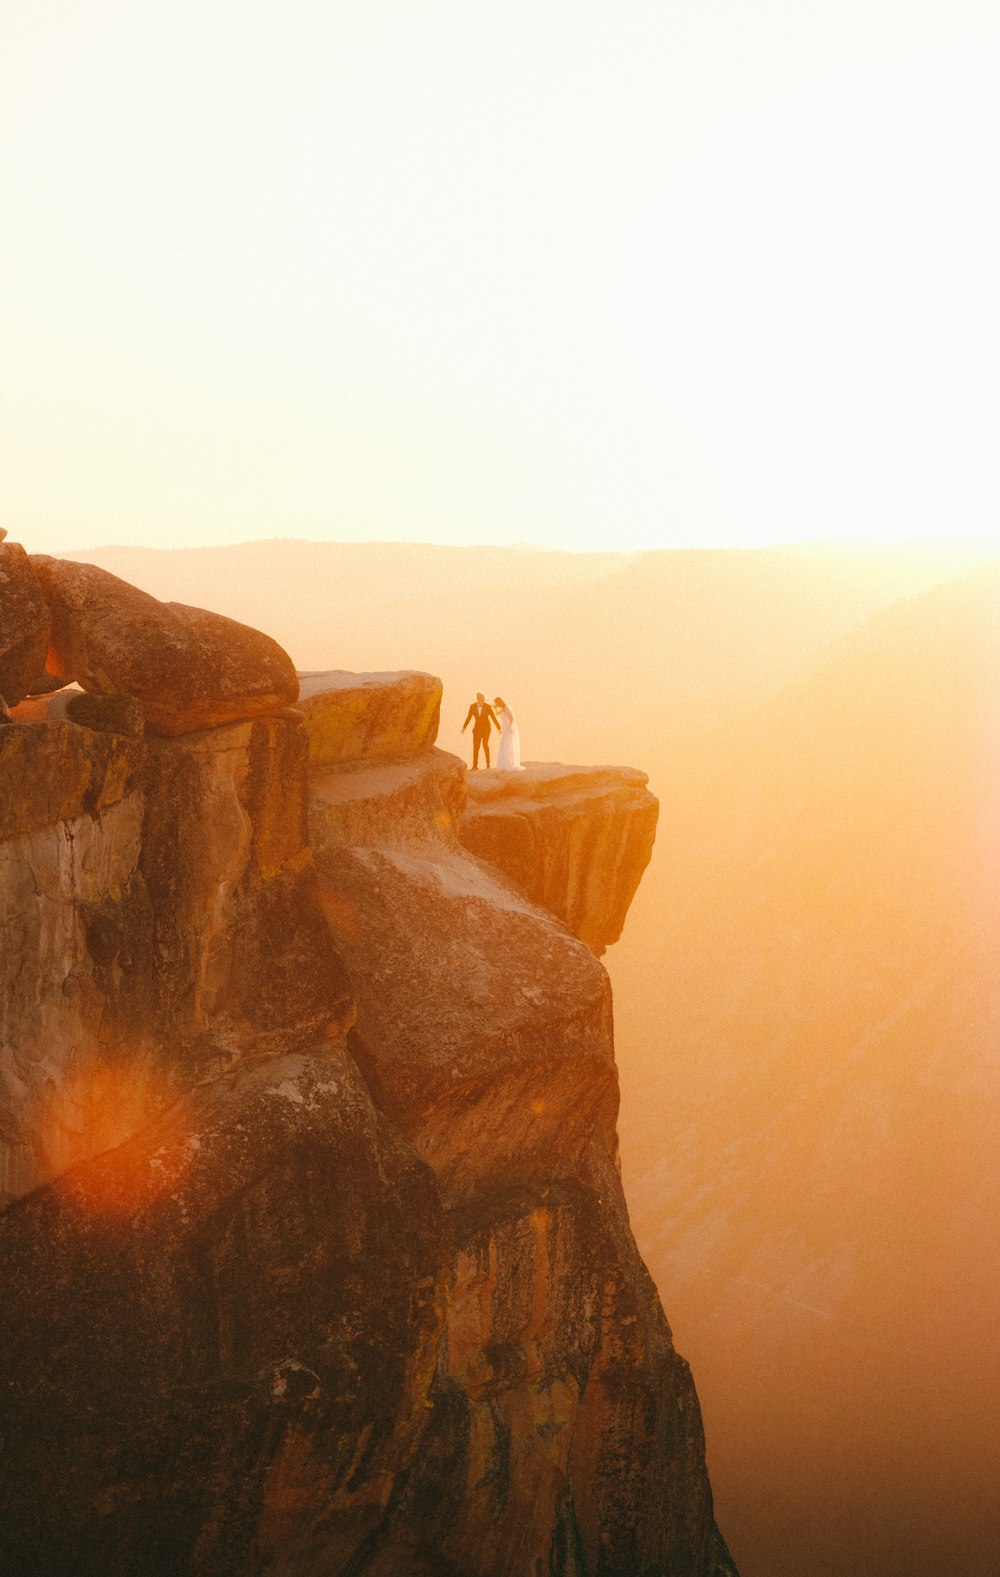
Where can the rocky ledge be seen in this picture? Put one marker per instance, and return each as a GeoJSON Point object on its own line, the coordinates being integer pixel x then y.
{"type": "Point", "coordinates": [574, 839]}
{"type": "Point", "coordinates": [308, 1119]}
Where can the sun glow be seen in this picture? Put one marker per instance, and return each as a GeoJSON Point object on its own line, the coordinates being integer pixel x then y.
{"type": "Point", "coordinates": [570, 274]}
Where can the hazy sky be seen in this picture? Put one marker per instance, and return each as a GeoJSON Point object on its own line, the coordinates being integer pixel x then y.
{"type": "Point", "coordinates": [584, 274]}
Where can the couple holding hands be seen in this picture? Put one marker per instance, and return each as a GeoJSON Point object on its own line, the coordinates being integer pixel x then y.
{"type": "Point", "coordinates": [482, 716]}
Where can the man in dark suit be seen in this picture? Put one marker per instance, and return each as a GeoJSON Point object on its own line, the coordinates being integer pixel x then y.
{"type": "Point", "coordinates": [480, 715]}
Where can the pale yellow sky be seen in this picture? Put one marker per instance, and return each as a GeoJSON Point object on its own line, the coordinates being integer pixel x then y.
{"type": "Point", "coordinates": [610, 275]}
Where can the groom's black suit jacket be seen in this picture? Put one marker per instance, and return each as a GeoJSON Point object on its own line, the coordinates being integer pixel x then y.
{"type": "Point", "coordinates": [480, 718]}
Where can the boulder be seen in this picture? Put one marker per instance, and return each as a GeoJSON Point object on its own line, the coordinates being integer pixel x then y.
{"type": "Point", "coordinates": [355, 716]}
{"type": "Point", "coordinates": [24, 624]}
{"type": "Point", "coordinates": [484, 1030]}
{"type": "Point", "coordinates": [191, 669]}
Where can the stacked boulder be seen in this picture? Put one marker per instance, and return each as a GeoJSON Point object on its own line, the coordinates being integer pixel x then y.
{"type": "Point", "coordinates": [63, 622]}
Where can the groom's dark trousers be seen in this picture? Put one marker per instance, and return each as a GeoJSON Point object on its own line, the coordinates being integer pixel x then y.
{"type": "Point", "coordinates": [480, 718]}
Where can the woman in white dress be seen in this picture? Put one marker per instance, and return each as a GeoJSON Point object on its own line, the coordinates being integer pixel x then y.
{"type": "Point", "coordinates": [509, 754]}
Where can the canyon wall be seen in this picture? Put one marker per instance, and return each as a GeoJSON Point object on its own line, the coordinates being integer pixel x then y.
{"type": "Point", "coordinates": [316, 1256]}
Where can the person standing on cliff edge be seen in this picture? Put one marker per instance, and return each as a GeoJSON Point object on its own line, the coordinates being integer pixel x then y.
{"type": "Point", "coordinates": [480, 715]}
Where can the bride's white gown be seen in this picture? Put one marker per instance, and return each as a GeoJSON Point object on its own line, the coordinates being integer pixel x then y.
{"type": "Point", "coordinates": [509, 754]}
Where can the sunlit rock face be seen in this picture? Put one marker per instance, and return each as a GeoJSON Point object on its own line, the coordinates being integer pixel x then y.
{"type": "Point", "coordinates": [406, 801]}
{"type": "Point", "coordinates": [352, 717]}
{"type": "Point", "coordinates": [574, 839]}
{"type": "Point", "coordinates": [190, 668]}
{"type": "Point", "coordinates": [287, 1292]}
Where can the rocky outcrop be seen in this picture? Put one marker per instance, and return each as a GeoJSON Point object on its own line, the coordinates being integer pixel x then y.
{"type": "Point", "coordinates": [352, 717]}
{"type": "Point", "coordinates": [24, 624]}
{"type": "Point", "coordinates": [484, 1032]}
{"type": "Point", "coordinates": [363, 1289]}
{"type": "Point", "coordinates": [189, 668]}
{"type": "Point", "coordinates": [574, 839]}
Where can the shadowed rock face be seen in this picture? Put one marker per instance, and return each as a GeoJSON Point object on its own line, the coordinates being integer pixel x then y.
{"type": "Point", "coordinates": [574, 839]}
{"type": "Point", "coordinates": [291, 1296]}
{"type": "Point", "coordinates": [24, 624]}
{"type": "Point", "coordinates": [190, 669]}
{"type": "Point", "coordinates": [238, 1311]}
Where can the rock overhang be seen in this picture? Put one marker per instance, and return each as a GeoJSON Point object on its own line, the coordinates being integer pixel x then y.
{"type": "Point", "coordinates": [573, 839]}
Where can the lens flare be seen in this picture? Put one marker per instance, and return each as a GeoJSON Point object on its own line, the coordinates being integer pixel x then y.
{"type": "Point", "coordinates": [95, 1115]}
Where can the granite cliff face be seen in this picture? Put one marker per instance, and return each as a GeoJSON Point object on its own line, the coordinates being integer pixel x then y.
{"type": "Point", "coordinates": [316, 1258]}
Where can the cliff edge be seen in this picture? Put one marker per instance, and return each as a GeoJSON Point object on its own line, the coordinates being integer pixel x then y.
{"type": "Point", "coordinates": [316, 1257]}
{"type": "Point", "coordinates": [575, 840]}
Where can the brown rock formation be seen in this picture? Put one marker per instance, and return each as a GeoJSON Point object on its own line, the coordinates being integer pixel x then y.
{"type": "Point", "coordinates": [484, 1032]}
{"type": "Point", "coordinates": [365, 1300]}
{"type": "Point", "coordinates": [350, 717]}
{"type": "Point", "coordinates": [574, 839]}
{"type": "Point", "coordinates": [24, 624]}
{"type": "Point", "coordinates": [189, 668]}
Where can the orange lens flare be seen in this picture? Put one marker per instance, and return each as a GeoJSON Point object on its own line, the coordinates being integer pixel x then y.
{"type": "Point", "coordinates": [89, 1117]}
